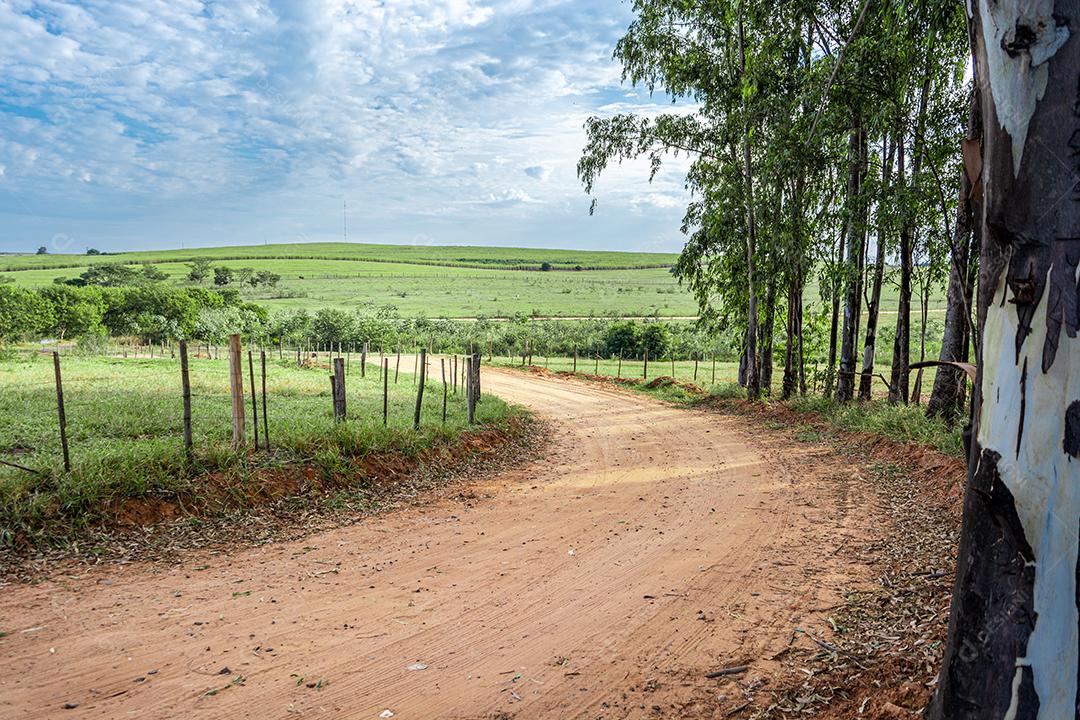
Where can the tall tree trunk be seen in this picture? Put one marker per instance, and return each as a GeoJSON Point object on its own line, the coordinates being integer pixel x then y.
{"type": "Point", "coordinates": [947, 397]}
{"type": "Point", "coordinates": [898, 392]}
{"type": "Point", "coordinates": [1013, 639]}
{"type": "Point", "coordinates": [766, 359]}
{"type": "Point", "coordinates": [873, 305]}
{"type": "Point", "coordinates": [853, 277]}
{"type": "Point", "coordinates": [791, 372]}
{"type": "Point", "coordinates": [924, 308]}
{"type": "Point", "coordinates": [834, 323]}
{"type": "Point", "coordinates": [753, 379]}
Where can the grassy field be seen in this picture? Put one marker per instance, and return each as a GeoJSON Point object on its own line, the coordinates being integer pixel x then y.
{"type": "Point", "coordinates": [433, 281]}
{"type": "Point", "coordinates": [124, 420]}
{"type": "Point", "coordinates": [449, 255]}
{"type": "Point", "coordinates": [444, 291]}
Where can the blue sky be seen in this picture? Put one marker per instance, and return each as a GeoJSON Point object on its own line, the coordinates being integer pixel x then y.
{"type": "Point", "coordinates": [151, 124]}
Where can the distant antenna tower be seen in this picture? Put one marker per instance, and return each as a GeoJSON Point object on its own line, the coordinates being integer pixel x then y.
{"type": "Point", "coordinates": [345, 219]}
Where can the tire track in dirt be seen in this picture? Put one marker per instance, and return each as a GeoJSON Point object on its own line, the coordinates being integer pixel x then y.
{"type": "Point", "coordinates": [651, 545]}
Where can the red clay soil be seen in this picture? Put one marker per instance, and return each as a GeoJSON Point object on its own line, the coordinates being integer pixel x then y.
{"type": "Point", "coordinates": [652, 546]}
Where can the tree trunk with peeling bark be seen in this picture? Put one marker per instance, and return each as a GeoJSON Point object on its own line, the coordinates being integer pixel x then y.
{"type": "Point", "coordinates": [1013, 631]}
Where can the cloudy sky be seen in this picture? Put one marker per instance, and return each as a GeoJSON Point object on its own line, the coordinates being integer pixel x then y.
{"type": "Point", "coordinates": [153, 123]}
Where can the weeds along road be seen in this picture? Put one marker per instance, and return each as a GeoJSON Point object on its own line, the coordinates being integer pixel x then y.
{"type": "Point", "coordinates": [651, 546]}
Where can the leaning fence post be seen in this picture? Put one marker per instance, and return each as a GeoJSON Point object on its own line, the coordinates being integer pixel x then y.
{"type": "Point", "coordinates": [422, 362]}
{"type": "Point", "coordinates": [397, 366]}
{"type": "Point", "coordinates": [254, 400]}
{"type": "Point", "coordinates": [442, 365]}
{"type": "Point", "coordinates": [385, 389]}
{"type": "Point", "coordinates": [266, 423]}
{"type": "Point", "coordinates": [60, 411]}
{"type": "Point", "coordinates": [185, 385]}
{"type": "Point", "coordinates": [236, 391]}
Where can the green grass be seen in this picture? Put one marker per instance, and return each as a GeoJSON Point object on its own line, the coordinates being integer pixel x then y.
{"type": "Point", "coordinates": [449, 255]}
{"type": "Point", "coordinates": [437, 281]}
{"type": "Point", "coordinates": [124, 420]}
{"type": "Point", "coordinates": [906, 423]}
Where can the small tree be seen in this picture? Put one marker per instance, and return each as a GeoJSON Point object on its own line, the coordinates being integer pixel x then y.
{"type": "Point", "coordinates": [223, 276]}
{"type": "Point", "coordinates": [198, 270]}
{"type": "Point", "coordinates": [152, 274]}
{"type": "Point", "coordinates": [43, 250]}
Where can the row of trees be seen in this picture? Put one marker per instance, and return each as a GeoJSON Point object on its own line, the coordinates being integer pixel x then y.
{"type": "Point", "coordinates": [842, 140]}
{"type": "Point", "coordinates": [824, 145]}
{"type": "Point", "coordinates": [158, 313]}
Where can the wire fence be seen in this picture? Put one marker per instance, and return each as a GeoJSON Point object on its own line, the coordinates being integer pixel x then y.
{"type": "Point", "coordinates": [73, 408]}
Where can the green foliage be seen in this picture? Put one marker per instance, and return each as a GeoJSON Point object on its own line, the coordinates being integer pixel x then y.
{"type": "Point", "coordinates": [199, 270]}
{"type": "Point", "coordinates": [75, 310]}
{"type": "Point", "coordinates": [223, 275]}
{"type": "Point", "coordinates": [23, 314]}
{"type": "Point", "coordinates": [655, 340]}
{"type": "Point", "coordinates": [108, 275]}
{"type": "Point", "coordinates": [623, 339]}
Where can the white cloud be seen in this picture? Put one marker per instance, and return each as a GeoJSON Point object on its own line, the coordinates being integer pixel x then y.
{"type": "Point", "coordinates": [403, 107]}
{"type": "Point", "coordinates": [538, 172]}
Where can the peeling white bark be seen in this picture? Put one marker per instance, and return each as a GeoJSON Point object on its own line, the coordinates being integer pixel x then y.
{"type": "Point", "coordinates": [1019, 39]}
{"type": "Point", "coordinates": [1045, 484]}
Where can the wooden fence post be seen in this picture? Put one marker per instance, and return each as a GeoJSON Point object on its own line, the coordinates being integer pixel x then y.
{"type": "Point", "coordinates": [575, 360]}
{"type": "Point", "coordinates": [442, 365]}
{"type": "Point", "coordinates": [385, 390]}
{"type": "Point", "coordinates": [714, 369]}
{"type": "Point", "coordinates": [479, 359]}
{"type": "Point", "coordinates": [695, 368]}
{"type": "Point", "coordinates": [236, 391]}
{"type": "Point", "coordinates": [363, 361]}
{"type": "Point", "coordinates": [185, 385]}
{"type": "Point", "coordinates": [453, 375]}
{"type": "Point", "coordinates": [397, 366]}
{"type": "Point", "coordinates": [620, 366]}
{"type": "Point", "coordinates": [337, 385]}
{"type": "Point", "coordinates": [254, 400]}
{"type": "Point", "coordinates": [422, 363]}
{"type": "Point", "coordinates": [266, 422]}
{"type": "Point", "coordinates": [415, 366]}
{"type": "Point", "coordinates": [470, 400]}
{"type": "Point", "coordinates": [60, 411]}
{"type": "Point", "coordinates": [673, 366]}
{"type": "Point", "coordinates": [645, 368]}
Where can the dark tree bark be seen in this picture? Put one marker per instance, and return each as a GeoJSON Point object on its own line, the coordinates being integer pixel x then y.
{"type": "Point", "coordinates": [853, 276]}
{"type": "Point", "coordinates": [1013, 637]}
{"type": "Point", "coordinates": [834, 322]}
{"type": "Point", "coordinates": [898, 392]}
{"type": "Point", "coordinates": [766, 359]}
{"type": "Point", "coordinates": [947, 397]}
{"type": "Point", "coordinates": [873, 305]}
{"type": "Point", "coordinates": [753, 378]}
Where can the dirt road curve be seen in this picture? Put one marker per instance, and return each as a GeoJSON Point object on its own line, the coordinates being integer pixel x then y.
{"type": "Point", "coordinates": [651, 546]}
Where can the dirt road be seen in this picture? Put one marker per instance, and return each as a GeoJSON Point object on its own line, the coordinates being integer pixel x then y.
{"type": "Point", "coordinates": [651, 546]}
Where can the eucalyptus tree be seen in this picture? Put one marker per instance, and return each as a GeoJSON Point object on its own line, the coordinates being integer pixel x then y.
{"type": "Point", "coordinates": [1012, 648]}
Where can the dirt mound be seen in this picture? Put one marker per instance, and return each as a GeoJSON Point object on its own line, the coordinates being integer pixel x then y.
{"type": "Point", "coordinates": [220, 491]}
